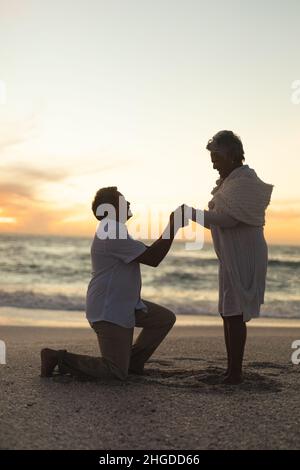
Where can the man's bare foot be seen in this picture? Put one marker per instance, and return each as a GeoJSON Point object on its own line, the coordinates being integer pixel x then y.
{"type": "Point", "coordinates": [49, 360]}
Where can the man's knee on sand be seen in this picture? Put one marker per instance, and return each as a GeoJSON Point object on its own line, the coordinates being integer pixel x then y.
{"type": "Point", "coordinates": [166, 320]}
{"type": "Point", "coordinates": [171, 318]}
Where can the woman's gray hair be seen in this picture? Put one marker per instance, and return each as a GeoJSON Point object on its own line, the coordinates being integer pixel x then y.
{"type": "Point", "coordinates": [229, 143]}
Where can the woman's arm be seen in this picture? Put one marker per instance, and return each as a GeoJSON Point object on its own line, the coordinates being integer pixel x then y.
{"type": "Point", "coordinates": [213, 218]}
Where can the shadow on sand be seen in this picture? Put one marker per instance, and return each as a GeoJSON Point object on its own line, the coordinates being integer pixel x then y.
{"type": "Point", "coordinates": [180, 373]}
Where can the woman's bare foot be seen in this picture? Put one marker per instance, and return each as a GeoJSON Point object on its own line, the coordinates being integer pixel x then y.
{"type": "Point", "coordinates": [233, 380]}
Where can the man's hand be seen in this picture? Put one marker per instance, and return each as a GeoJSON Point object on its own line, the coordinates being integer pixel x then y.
{"type": "Point", "coordinates": [180, 217]}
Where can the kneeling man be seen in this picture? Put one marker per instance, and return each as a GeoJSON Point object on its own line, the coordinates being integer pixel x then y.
{"type": "Point", "coordinates": [113, 303]}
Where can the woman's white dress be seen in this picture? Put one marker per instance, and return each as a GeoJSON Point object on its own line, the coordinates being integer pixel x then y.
{"type": "Point", "coordinates": [242, 250]}
{"type": "Point", "coordinates": [243, 257]}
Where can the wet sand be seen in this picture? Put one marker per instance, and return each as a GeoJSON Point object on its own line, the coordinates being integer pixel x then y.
{"type": "Point", "coordinates": [179, 404]}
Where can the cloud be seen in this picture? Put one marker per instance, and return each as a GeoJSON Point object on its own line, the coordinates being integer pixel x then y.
{"type": "Point", "coordinates": [49, 198]}
{"type": "Point", "coordinates": [20, 189]}
{"type": "Point", "coordinates": [34, 174]}
{"type": "Point", "coordinates": [20, 185]}
{"type": "Point", "coordinates": [15, 189]}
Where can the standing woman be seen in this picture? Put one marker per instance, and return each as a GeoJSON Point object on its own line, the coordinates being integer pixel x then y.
{"type": "Point", "coordinates": [236, 218]}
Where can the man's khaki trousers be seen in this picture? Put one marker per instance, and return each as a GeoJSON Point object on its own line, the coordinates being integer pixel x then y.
{"type": "Point", "coordinates": [118, 355]}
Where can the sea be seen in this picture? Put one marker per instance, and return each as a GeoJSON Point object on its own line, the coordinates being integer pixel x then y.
{"type": "Point", "coordinates": [43, 273]}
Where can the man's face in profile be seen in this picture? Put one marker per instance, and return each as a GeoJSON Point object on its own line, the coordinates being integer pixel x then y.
{"type": "Point", "coordinates": [124, 212]}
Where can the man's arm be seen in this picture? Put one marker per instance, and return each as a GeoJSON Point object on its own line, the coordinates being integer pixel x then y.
{"type": "Point", "coordinates": [155, 253]}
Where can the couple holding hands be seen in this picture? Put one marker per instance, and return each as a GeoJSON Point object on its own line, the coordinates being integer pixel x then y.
{"type": "Point", "coordinates": [236, 218]}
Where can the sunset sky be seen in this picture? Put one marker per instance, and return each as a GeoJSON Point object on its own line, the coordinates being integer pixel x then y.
{"type": "Point", "coordinates": [127, 93]}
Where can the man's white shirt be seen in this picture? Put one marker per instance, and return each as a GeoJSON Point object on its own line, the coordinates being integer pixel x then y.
{"type": "Point", "coordinates": [114, 291]}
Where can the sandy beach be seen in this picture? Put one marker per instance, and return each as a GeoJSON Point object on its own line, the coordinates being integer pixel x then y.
{"type": "Point", "coordinates": [178, 404]}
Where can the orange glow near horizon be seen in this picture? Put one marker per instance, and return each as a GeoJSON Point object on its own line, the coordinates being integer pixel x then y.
{"type": "Point", "coordinates": [282, 227]}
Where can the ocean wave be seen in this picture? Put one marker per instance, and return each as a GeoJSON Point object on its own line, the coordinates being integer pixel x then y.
{"type": "Point", "coordinates": [189, 306]}
{"type": "Point", "coordinates": [31, 299]}
{"type": "Point", "coordinates": [198, 261]}
{"type": "Point", "coordinates": [76, 271]}
{"type": "Point", "coordinates": [286, 263]}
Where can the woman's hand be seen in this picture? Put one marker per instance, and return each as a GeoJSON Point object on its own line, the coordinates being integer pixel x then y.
{"type": "Point", "coordinates": [180, 217]}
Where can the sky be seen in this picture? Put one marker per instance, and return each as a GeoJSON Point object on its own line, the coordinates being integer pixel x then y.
{"type": "Point", "coordinates": [127, 93]}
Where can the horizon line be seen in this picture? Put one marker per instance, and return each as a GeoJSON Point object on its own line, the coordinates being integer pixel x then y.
{"type": "Point", "coordinates": [143, 239]}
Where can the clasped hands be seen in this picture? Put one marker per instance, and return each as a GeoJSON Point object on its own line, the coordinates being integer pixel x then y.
{"type": "Point", "coordinates": [181, 216]}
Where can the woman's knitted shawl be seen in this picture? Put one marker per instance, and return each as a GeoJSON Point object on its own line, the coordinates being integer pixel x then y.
{"type": "Point", "coordinates": [242, 195]}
